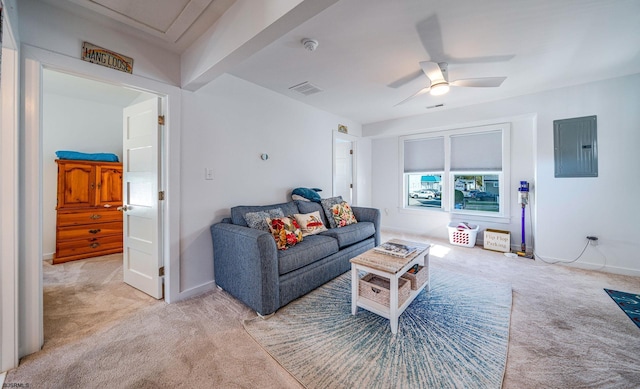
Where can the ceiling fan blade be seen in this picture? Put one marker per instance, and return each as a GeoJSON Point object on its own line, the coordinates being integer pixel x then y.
{"type": "Point", "coordinates": [406, 79]}
{"type": "Point", "coordinates": [485, 82]}
{"type": "Point", "coordinates": [486, 59]}
{"type": "Point", "coordinates": [418, 93]}
{"type": "Point", "coordinates": [430, 35]}
{"type": "Point", "coordinates": [432, 71]}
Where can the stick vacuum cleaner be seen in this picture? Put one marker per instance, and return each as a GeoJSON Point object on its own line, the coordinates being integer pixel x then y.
{"type": "Point", "coordinates": [523, 199]}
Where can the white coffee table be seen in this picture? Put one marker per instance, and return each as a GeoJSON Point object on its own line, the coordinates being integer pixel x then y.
{"type": "Point", "coordinates": [392, 268]}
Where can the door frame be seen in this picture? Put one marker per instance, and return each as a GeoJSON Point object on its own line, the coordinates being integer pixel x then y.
{"type": "Point", "coordinates": [342, 137]}
{"type": "Point", "coordinates": [30, 215]}
{"type": "Point", "coordinates": [9, 199]}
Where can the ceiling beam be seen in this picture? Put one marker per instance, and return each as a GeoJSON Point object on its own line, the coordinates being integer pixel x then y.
{"type": "Point", "coordinates": [247, 27]}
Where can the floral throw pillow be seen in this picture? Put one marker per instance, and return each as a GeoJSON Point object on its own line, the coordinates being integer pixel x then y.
{"type": "Point", "coordinates": [286, 231]}
{"type": "Point", "coordinates": [343, 214]}
{"type": "Point", "coordinates": [310, 223]}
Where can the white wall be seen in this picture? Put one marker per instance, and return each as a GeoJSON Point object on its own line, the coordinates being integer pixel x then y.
{"type": "Point", "coordinates": [565, 210]}
{"type": "Point", "coordinates": [227, 125]}
{"type": "Point", "coordinates": [72, 124]}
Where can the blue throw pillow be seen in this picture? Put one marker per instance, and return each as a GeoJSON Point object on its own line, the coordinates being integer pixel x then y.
{"type": "Point", "coordinates": [307, 193]}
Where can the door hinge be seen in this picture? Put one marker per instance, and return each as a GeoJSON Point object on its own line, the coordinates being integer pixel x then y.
{"type": "Point", "coordinates": [161, 271]}
{"type": "Point", "coordinates": [351, 152]}
{"type": "Point", "coordinates": [161, 195]}
{"type": "Point", "coordinates": [351, 186]}
{"type": "Point", "coordinates": [161, 120]}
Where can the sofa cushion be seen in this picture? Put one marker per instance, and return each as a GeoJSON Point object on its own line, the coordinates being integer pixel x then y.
{"type": "Point", "coordinates": [309, 206]}
{"type": "Point", "coordinates": [326, 205]}
{"type": "Point", "coordinates": [351, 234]}
{"type": "Point", "coordinates": [343, 215]}
{"type": "Point", "coordinates": [311, 249]}
{"type": "Point", "coordinates": [237, 213]}
{"type": "Point", "coordinates": [285, 231]}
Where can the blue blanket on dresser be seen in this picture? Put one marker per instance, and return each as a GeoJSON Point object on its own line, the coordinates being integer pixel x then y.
{"type": "Point", "coordinates": [75, 155]}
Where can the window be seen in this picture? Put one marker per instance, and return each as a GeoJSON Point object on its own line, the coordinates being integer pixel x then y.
{"type": "Point", "coordinates": [458, 171]}
{"type": "Point", "coordinates": [424, 165]}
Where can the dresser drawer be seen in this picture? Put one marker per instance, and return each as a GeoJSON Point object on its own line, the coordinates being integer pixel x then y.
{"type": "Point", "coordinates": [72, 218]}
{"type": "Point", "coordinates": [90, 231]}
{"type": "Point", "coordinates": [90, 246]}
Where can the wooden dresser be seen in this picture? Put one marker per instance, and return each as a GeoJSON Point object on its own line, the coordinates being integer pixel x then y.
{"type": "Point", "coordinates": [88, 222]}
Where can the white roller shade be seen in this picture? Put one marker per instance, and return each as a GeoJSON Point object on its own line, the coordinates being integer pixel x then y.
{"type": "Point", "coordinates": [479, 151]}
{"type": "Point", "coordinates": [424, 155]}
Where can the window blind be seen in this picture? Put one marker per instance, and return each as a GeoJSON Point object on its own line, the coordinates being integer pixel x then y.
{"type": "Point", "coordinates": [478, 151]}
{"type": "Point", "coordinates": [424, 155]}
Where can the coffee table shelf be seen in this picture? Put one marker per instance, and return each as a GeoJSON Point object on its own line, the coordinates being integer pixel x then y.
{"type": "Point", "coordinates": [392, 268]}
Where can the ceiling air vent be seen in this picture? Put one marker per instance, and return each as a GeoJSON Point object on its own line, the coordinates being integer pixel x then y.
{"type": "Point", "coordinates": [306, 88]}
{"type": "Point", "coordinates": [435, 106]}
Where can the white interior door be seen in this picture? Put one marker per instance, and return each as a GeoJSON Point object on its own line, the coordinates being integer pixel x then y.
{"type": "Point", "coordinates": [343, 162]}
{"type": "Point", "coordinates": [141, 211]}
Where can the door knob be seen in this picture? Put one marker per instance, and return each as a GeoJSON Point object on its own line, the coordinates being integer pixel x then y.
{"type": "Point", "coordinates": [124, 208]}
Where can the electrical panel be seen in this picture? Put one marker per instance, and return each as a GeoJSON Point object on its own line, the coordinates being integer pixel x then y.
{"type": "Point", "coordinates": [576, 147]}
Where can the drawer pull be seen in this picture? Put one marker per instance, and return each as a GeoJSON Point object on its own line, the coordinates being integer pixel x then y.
{"type": "Point", "coordinates": [95, 216]}
{"type": "Point", "coordinates": [94, 231]}
{"type": "Point", "coordinates": [94, 245]}
{"type": "Point", "coordinates": [375, 290]}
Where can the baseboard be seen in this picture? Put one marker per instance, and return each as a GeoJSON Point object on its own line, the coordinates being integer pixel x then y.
{"type": "Point", "coordinates": [479, 242]}
{"type": "Point", "coordinates": [605, 269]}
{"type": "Point", "coordinates": [195, 291]}
{"type": "Point", "coordinates": [47, 256]}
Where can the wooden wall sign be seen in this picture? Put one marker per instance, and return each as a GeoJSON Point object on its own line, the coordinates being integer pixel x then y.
{"type": "Point", "coordinates": [497, 240]}
{"type": "Point", "coordinates": [94, 54]}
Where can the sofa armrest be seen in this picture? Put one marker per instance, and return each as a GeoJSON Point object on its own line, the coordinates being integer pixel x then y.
{"type": "Point", "coordinates": [372, 215]}
{"type": "Point", "coordinates": [246, 265]}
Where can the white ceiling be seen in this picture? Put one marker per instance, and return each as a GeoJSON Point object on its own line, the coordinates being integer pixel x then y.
{"type": "Point", "coordinates": [63, 84]}
{"type": "Point", "coordinates": [369, 50]}
{"type": "Point", "coordinates": [174, 24]}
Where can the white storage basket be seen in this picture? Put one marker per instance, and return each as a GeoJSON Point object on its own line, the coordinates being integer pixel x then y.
{"type": "Point", "coordinates": [465, 237]}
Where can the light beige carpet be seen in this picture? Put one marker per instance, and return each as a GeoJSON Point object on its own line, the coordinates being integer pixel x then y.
{"type": "Point", "coordinates": [565, 331]}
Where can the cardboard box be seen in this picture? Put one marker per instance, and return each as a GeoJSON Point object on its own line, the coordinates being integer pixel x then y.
{"type": "Point", "coordinates": [497, 240]}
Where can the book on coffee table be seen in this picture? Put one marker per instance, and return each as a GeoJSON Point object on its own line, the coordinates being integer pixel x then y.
{"type": "Point", "coordinates": [395, 249]}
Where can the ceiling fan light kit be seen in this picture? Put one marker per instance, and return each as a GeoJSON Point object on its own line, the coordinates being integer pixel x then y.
{"type": "Point", "coordinates": [439, 89]}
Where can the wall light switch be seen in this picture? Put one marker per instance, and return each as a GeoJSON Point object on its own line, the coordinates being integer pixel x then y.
{"type": "Point", "coordinates": [208, 173]}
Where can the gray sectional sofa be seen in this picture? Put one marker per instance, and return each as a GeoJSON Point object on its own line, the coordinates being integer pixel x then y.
{"type": "Point", "coordinates": [249, 267]}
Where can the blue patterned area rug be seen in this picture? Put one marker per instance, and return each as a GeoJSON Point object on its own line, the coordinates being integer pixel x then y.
{"type": "Point", "coordinates": [454, 336]}
{"type": "Point", "coordinates": [628, 302]}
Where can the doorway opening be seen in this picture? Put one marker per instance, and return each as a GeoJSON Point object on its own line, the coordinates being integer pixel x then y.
{"type": "Point", "coordinates": [344, 150]}
{"type": "Point", "coordinates": [83, 115]}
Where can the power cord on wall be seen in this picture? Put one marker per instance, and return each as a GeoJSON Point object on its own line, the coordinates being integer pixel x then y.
{"type": "Point", "coordinates": [559, 261]}
{"type": "Point", "coordinates": [553, 262]}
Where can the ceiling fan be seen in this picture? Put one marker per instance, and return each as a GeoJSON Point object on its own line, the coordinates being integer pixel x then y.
{"type": "Point", "coordinates": [430, 34]}
{"type": "Point", "coordinates": [438, 76]}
